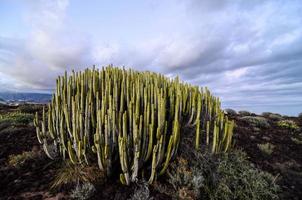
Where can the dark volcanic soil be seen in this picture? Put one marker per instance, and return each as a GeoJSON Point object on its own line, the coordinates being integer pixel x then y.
{"type": "Point", "coordinates": [33, 180]}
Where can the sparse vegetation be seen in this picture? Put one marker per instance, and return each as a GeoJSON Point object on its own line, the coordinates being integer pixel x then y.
{"type": "Point", "coordinates": [223, 177]}
{"type": "Point", "coordinates": [256, 121]}
{"type": "Point", "coordinates": [266, 148]}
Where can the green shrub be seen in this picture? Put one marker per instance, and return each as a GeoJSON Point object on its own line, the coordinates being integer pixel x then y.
{"type": "Point", "coordinates": [230, 111]}
{"type": "Point", "coordinates": [260, 122]}
{"type": "Point", "coordinates": [266, 148]}
{"type": "Point", "coordinates": [244, 113]}
{"type": "Point", "coordinates": [83, 191]}
{"type": "Point", "coordinates": [223, 177]}
{"type": "Point", "coordinates": [19, 160]}
{"type": "Point", "coordinates": [16, 118]}
{"type": "Point", "coordinates": [288, 124]}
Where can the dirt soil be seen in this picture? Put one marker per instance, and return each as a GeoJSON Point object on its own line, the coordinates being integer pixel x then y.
{"type": "Point", "coordinates": [33, 180]}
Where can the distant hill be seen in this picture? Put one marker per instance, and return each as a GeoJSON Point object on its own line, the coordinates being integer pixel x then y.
{"type": "Point", "coordinates": [2, 101]}
{"type": "Point", "coordinates": [25, 97]}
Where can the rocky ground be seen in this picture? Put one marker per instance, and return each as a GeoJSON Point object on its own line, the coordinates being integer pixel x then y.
{"type": "Point", "coordinates": [32, 178]}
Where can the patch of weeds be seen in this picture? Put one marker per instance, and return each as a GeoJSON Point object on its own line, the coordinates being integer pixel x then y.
{"type": "Point", "coordinates": [70, 174]}
{"type": "Point", "coordinates": [244, 113]}
{"type": "Point", "coordinates": [16, 118]}
{"type": "Point", "coordinates": [19, 160]}
{"type": "Point", "coordinates": [256, 121]}
{"type": "Point", "coordinates": [266, 148]}
{"type": "Point", "coordinates": [141, 192]}
{"type": "Point", "coordinates": [83, 191]}
{"type": "Point", "coordinates": [288, 124]}
{"type": "Point", "coordinates": [222, 177]}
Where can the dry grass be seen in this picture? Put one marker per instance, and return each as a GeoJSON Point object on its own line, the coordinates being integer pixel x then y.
{"type": "Point", "coordinates": [70, 174]}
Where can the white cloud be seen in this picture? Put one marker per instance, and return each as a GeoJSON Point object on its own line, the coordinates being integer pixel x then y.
{"type": "Point", "coordinates": [239, 49]}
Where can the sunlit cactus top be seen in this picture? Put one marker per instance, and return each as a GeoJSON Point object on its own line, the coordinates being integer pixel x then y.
{"type": "Point", "coordinates": [129, 120]}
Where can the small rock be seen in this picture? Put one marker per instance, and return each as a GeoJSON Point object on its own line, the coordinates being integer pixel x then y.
{"type": "Point", "coordinates": [266, 138]}
{"type": "Point", "coordinates": [35, 148]}
{"type": "Point", "coordinates": [17, 181]}
{"type": "Point", "coordinates": [37, 197]}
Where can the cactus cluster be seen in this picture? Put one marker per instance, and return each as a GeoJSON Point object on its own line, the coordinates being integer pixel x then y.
{"type": "Point", "coordinates": [129, 121]}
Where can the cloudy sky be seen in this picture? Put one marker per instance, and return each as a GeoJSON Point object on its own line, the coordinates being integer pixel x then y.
{"type": "Point", "coordinates": [247, 52]}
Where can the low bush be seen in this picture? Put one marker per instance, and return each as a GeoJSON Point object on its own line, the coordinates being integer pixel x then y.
{"type": "Point", "coordinates": [244, 113]}
{"type": "Point", "coordinates": [230, 111]}
{"type": "Point", "coordinates": [260, 122]}
{"type": "Point", "coordinates": [266, 114]}
{"type": "Point", "coordinates": [16, 118]}
{"type": "Point", "coordinates": [19, 160]}
{"type": "Point", "coordinates": [83, 191]}
{"type": "Point", "coordinates": [266, 148]}
{"type": "Point", "coordinates": [222, 177]}
{"type": "Point", "coordinates": [272, 116]}
{"type": "Point", "coordinates": [288, 124]}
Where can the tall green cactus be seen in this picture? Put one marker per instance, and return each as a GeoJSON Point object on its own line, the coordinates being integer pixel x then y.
{"type": "Point", "coordinates": [130, 119]}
